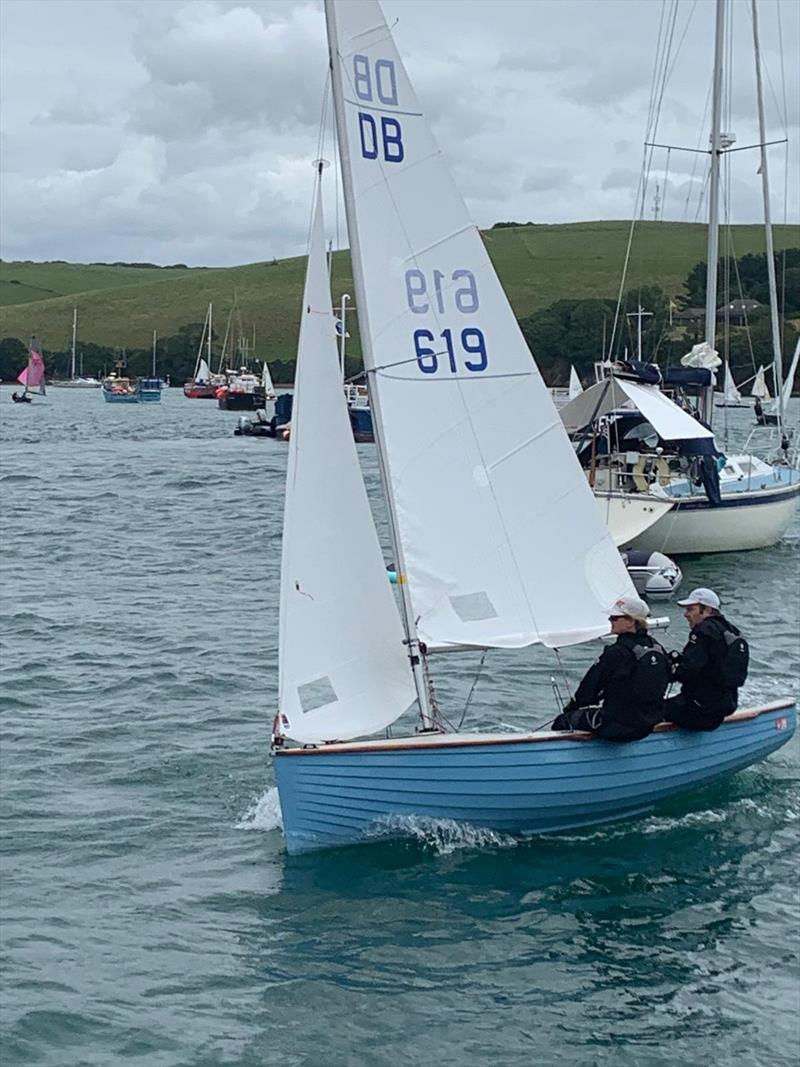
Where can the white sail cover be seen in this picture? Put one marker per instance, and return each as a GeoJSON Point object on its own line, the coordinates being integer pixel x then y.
{"type": "Point", "coordinates": [760, 388]}
{"type": "Point", "coordinates": [502, 542]}
{"type": "Point", "coordinates": [575, 387]}
{"type": "Point", "coordinates": [343, 667]}
{"type": "Point", "coordinates": [702, 355]}
{"type": "Point", "coordinates": [732, 394]}
{"type": "Point", "coordinates": [203, 372]}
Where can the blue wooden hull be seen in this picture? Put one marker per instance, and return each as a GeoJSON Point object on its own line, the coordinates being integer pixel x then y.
{"type": "Point", "coordinates": [346, 793]}
{"type": "Point", "coordinates": [120, 398]}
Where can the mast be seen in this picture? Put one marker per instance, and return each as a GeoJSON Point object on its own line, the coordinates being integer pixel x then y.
{"type": "Point", "coordinates": [155, 335]}
{"type": "Point", "coordinates": [345, 299]}
{"type": "Point", "coordinates": [707, 403]}
{"type": "Point", "coordinates": [74, 335]}
{"type": "Point", "coordinates": [210, 307]}
{"type": "Point", "coordinates": [407, 612]}
{"type": "Point", "coordinates": [773, 289]}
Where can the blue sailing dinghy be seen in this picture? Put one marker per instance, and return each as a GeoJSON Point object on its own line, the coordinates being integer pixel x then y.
{"type": "Point", "coordinates": [496, 537]}
{"type": "Point", "coordinates": [512, 783]}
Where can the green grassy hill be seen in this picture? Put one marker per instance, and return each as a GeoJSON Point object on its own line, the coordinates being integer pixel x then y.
{"type": "Point", "coordinates": [122, 305]}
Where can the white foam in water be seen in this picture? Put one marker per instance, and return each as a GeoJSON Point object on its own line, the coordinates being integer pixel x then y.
{"type": "Point", "coordinates": [659, 824]}
{"type": "Point", "coordinates": [263, 814]}
{"type": "Point", "coordinates": [444, 835]}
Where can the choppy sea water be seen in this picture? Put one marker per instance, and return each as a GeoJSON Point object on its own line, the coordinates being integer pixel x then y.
{"type": "Point", "coordinates": [149, 912]}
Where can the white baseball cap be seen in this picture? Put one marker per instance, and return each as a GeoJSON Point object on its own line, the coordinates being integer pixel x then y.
{"type": "Point", "coordinates": [631, 606]}
{"type": "Point", "coordinates": [707, 597]}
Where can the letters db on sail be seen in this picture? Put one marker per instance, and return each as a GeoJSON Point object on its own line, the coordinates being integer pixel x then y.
{"type": "Point", "coordinates": [444, 337]}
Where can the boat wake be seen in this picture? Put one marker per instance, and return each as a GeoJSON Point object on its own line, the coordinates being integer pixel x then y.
{"type": "Point", "coordinates": [263, 814]}
{"type": "Point", "coordinates": [662, 824]}
{"type": "Point", "coordinates": [442, 836]}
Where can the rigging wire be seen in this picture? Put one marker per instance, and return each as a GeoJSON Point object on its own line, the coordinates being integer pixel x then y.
{"type": "Point", "coordinates": [472, 689]}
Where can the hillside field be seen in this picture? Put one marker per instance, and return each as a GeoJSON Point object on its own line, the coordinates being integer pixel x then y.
{"type": "Point", "coordinates": [120, 306]}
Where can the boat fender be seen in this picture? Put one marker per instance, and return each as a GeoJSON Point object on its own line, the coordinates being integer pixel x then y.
{"type": "Point", "coordinates": [648, 470]}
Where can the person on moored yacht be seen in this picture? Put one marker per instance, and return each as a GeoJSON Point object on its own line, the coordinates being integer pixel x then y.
{"type": "Point", "coordinates": [621, 697]}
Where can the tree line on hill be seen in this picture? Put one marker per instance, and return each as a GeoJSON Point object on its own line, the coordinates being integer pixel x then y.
{"type": "Point", "coordinates": [568, 332]}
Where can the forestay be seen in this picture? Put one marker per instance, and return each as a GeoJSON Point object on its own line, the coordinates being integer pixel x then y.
{"type": "Point", "coordinates": [502, 542]}
{"type": "Point", "coordinates": [343, 666]}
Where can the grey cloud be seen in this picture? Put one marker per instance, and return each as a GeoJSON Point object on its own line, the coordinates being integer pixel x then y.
{"type": "Point", "coordinates": [620, 178]}
{"type": "Point", "coordinates": [546, 178]}
{"type": "Point", "coordinates": [182, 130]}
{"type": "Point", "coordinates": [241, 68]}
{"type": "Point", "coordinates": [541, 59]}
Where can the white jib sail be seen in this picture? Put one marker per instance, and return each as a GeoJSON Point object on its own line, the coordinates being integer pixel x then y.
{"type": "Point", "coordinates": [266, 380]}
{"type": "Point", "coordinates": [732, 394]}
{"type": "Point", "coordinates": [203, 372]}
{"type": "Point", "coordinates": [760, 388]}
{"type": "Point", "coordinates": [575, 387]}
{"type": "Point", "coordinates": [502, 541]}
{"type": "Point", "coordinates": [788, 384]}
{"type": "Point", "coordinates": [343, 667]}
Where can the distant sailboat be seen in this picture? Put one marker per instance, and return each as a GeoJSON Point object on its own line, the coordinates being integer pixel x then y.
{"type": "Point", "coordinates": [760, 389]}
{"type": "Point", "coordinates": [201, 386]}
{"type": "Point", "coordinates": [731, 397]}
{"type": "Point", "coordinates": [76, 381]}
{"type": "Point", "coordinates": [575, 387]}
{"type": "Point", "coordinates": [770, 417]}
{"type": "Point", "coordinates": [266, 382]}
{"type": "Point", "coordinates": [32, 377]}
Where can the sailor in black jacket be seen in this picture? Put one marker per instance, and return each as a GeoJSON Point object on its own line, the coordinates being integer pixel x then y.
{"type": "Point", "coordinates": [611, 701]}
{"type": "Point", "coordinates": [706, 697]}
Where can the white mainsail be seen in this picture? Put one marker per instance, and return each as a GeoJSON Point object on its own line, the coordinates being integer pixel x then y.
{"type": "Point", "coordinates": [731, 393]}
{"type": "Point", "coordinates": [203, 371]}
{"type": "Point", "coordinates": [343, 667]}
{"type": "Point", "coordinates": [502, 542]}
{"type": "Point", "coordinates": [575, 387]}
{"type": "Point", "coordinates": [760, 388]}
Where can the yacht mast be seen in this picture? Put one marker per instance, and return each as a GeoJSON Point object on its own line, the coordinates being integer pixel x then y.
{"type": "Point", "coordinates": [74, 335]}
{"type": "Point", "coordinates": [409, 625]}
{"type": "Point", "coordinates": [707, 405]}
{"type": "Point", "coordinates": [773, 289]}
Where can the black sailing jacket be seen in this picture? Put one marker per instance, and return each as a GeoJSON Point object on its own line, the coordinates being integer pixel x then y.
{"type": "Point", "coordinates": [608, 682]}
{"type": "Point", "coordinates": [700, 666]}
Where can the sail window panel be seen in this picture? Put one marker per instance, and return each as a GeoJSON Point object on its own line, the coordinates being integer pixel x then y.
{"type": "Point", "coordinates": [316, 694]}
{"type": "Point", "coordinates": [473, 607]}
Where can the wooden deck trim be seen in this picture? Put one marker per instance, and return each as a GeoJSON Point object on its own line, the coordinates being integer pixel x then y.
{"type": "Point", "coordinates": [444, 741]}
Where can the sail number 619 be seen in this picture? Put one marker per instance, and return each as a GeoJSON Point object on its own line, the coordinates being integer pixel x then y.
{"type": "Point", "coordinates": [472, 344]}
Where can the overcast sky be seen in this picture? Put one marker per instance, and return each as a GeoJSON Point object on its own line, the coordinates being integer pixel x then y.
{"type": "Point", "coordinates": [172, 131]}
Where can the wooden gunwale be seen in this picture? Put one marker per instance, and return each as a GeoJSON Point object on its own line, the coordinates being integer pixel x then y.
{"type": "Point", "coordinates": [443, 741]}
